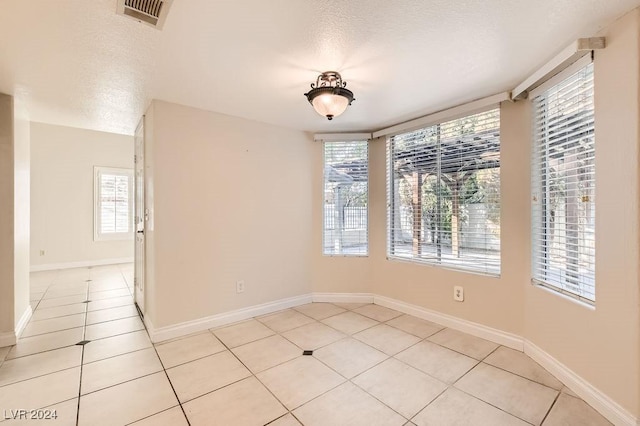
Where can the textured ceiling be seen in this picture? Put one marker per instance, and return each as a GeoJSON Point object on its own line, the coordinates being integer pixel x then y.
{"type": "Point", "coordinates": [77, 63]}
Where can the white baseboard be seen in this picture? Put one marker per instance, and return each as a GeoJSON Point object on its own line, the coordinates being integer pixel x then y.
{"type": "Point", "coordinates": [492, 334]}
{"type": "Point", "coordinates": [165, 333]}
{"type": "Point", "coordinates": [7, 339]}
{"type": "Point", "coordinates": [80, 264]}
{"type": "Point", "coordinates": [24, 320]}
{"type": "Point", "coordinates": [343, 297]}
{"type": "Point", "coordinates": [597, 399]}
{"type": "Point", "coordinates": [10, 338]}
{"type": "Point", "coordinates": [585, 390]}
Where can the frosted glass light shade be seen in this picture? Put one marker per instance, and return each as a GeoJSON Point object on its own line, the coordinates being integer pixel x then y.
{"type": "Point", "coordinates": [330, 105]}
{"type": "Point", "coordinates": [329, 96]}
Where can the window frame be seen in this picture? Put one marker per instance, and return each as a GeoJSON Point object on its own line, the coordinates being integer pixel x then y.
{"type": "Point", "coordinates": [98, 235]}
{"type": "Point", "coordinates": [390, 177]}
{"type": "Point", "coordinates": [324, 230]}
{"type": "Point", "coordinates": [538, 179]}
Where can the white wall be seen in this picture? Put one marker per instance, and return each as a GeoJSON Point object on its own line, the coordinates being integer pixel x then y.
{"type": "Point", "coordinates": [62, 199]}
{"type": "Point", "coordinates": [14, 218]}
{"type": "Point", "coordinates": [7, 316]}
{"type": "Point", "coordinates": [230, 199]}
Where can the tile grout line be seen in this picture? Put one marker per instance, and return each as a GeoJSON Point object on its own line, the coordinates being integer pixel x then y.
{"type": "Point", "coordinates": [481, 361]}
{"type": "Point", "coordinates": [478, 362]}
{"type": "Point", "coordinates": [154, 414]}
{"type": "Point", "coordinates": [73, 344]}
{"type": "Point", "coordinates": [346, 336]}
{"type": "Point", "coordinates": [277, 333]}
{"type": "Point", "coordinates": [40, 375]}
{"type": "Point", "coordinates": [124, 381]}
{"type": "Point", "coordinates": [46, 319]}
{"type": "Point", "coordinates": [54, 331]}
{"type": "Point", "coordinates": [430, 402]}
{"type": "Point", "coordinates": [126, 284]}
{"type": "Point", "coordinates": [84, 331]}
{"type": "Point", "coordinates": [184, 413]}
{"type": "Point", "coordinates": [252, 374]}
{"type": "Point", "coordinates": [523, 377]}
{"type": "Point", "coordinates": [284, 362]}
{"type": "Point", "coordinates": [550, 408]}
{"type": "Point", "coordinates": [79, 303]}
{"type": "Point", "coordinates": [193, 360]}
{"type": "Point", "coordinates": [35, 353]}
{"type": "Point", "coordinates": [76, 303]}
{"type": "Point", "coordinates": [380, 401]}
{"type": "Point", "coordinates": [402, 362]}
{"type": "Point", "coordinates": [346, 379]}
{"type": "Point", "coordinates": [488, 403]}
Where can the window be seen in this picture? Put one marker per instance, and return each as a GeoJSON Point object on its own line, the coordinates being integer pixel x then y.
{"type": "Point", "coordinates": [563, 180]}
{"type": "Point", "coordinates": [346, 198]}
{"type": "Point", "coordinates": [113, 210]}
{"type": "Point", "coordinates": [443, 192]}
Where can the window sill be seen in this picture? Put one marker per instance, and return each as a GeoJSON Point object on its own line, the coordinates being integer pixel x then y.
{"type": "Point", "coordinates": [573, 298]}
{"type": "Point", "coordinates": [441, 266]}
{"type": "Point", "coordinates": [113, 237]}
{"type": "Point", "coordinates": [345, 255]}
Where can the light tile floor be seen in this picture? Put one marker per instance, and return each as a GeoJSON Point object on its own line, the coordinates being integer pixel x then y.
{"type": "Point", "coordinates": [370, 366]}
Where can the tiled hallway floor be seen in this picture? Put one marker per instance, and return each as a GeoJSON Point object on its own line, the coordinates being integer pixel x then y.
{"type": "Point", "coordinates": [370, 366]}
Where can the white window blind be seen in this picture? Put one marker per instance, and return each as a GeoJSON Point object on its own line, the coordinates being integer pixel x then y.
{"type": "Point", "coordinates": [346, 198]}
{"type": "Point", "coordinates": [443, 194]}
{"type": "Point", "coordinates": [563, 180]}
{"type": "Point", "coordinates": [113, 203]}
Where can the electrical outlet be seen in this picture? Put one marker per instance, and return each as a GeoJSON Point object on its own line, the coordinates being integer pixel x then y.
{"type": "Point", "coordinates": [240, 286]}
{"type": "Point", "coordinates": [41, 252]}
{"type": "Point", "coordinates": [458, 293]}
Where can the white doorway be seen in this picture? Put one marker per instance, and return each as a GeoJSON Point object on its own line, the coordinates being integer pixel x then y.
{"type": "Point", "coordinates": [140, 217]}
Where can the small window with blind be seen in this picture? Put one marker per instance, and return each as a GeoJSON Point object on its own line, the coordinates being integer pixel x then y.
{"type": "Point", "coordinates": [443, 194]}
{"type": "Point", "coordinates": [563, 186]}
{"type": "Point", "coordinates": [113, 199]}
{"type": "Point", "coordinates": [346, 198]}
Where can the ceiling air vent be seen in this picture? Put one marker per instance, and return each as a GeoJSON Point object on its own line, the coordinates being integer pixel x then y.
{"type": "Point", "coordinates": [151, 12]}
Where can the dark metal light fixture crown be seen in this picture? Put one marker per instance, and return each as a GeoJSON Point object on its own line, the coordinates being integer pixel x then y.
{"type": "Point", "coordinates": [329, 95]}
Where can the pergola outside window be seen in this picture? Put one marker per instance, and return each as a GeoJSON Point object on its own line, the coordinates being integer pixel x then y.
{"type": "Point", "coordinates": [443, 191]}
{"type": "Point", "coordinates": [346, 198]}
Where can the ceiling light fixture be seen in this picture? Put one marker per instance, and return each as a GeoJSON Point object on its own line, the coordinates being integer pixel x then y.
{"type": "Point", "coordinates": [329, 95]}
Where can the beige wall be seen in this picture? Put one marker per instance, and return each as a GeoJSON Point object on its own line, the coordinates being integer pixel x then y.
{"type": "Point", "coordinates": [496, 302]}
{"type": "Point", "coordinates": [232, 201]}
{"type": "Point", "coordinates": [14, 216]}
{"type": "Point", "coordinates": [62, 161]}
{"type": "Point", "coordinates": [601, 345]}
{"type": "Point", "coordinates": [7, 316]}
{"type": "Point", "coordinates": [254, 197]}
{"type": "Point", "coordinates": [493, 301]}
{"type": "Point", "coordinates": [333, 274]}
{"type": "Point", "coordinates": [22, 208]}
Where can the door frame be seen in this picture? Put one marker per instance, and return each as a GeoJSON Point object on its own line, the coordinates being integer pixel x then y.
{"type": "Point", "coordinates": [139, 218]}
